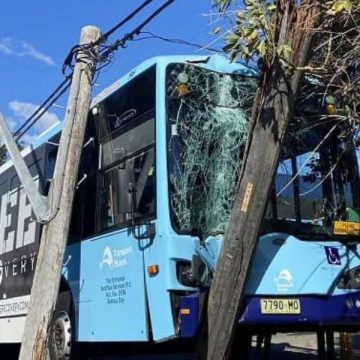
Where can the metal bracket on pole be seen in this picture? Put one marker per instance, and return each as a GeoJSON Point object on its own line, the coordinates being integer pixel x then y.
{"type": "Point", "coordinates": [37, 201]}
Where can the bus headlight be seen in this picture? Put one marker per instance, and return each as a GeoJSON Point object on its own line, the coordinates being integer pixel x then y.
{"type": "Point", "coordinates": [185, 274]}
{"type": "Point", "coordinates": [193, 273]}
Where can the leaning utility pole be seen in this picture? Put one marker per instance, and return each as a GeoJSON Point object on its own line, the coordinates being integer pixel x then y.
{"type": "Point", "coordinates": [272, 113]}
{"type": "Point", "coordinates": [54, 235]}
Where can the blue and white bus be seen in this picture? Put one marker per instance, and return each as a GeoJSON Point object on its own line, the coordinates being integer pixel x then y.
{"type": "Point", "coordinates": [157, 179]}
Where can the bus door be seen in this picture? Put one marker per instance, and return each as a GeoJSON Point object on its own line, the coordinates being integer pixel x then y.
{"type": "Point", "coordinates": [112, 303]}
{"type": "Point", "coordinates": [112, 288]}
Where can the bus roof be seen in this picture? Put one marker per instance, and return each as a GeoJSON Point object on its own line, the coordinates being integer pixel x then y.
{"type": "Point", "coordinates": [212, 62]}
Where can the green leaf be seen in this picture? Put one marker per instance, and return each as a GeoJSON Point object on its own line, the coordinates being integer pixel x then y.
{"type": "Point", "coordinates": [271, 7]}
{"type": "Point", "coordinates": [287, 48]}
{"type": "Point", "coordinates": [285, 51]}
{"type": "Point", "coordinates": [339, 6]}
{"type": "Point", "coordinates": [252, 35]}
{"type": "Point", "coordinates": [232, 38]}
{"type": "Point", "coordinates": [241, 15]}
{"type": "Point", "coordinates": [261, 48]}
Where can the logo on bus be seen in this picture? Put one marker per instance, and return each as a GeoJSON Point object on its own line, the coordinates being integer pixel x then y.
{"type": "Point", "coordinates": [125, 117]}
{"type": "Point", "coordinates": [115, 258]}
{"type": "Point", "coordinates": [284, 281]}
{"type": "Point", "coordinates": [107, 258]}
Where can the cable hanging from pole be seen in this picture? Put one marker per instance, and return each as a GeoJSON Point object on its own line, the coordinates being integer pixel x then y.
{"type": "Point", "coordinates": [54, 96]}
{"type": "Point", "coordinates": [41, 111]}
{"type": "Point", "coordinates": [105, 36]}
{"type": "Point", "coordinates": [149, 35]}
{"type": "Point", "coordinates": [129, 36]}
{"type": "Point", "coordinates": [103, 57]}
{"type": "Point", "coordinates": [75, 49]}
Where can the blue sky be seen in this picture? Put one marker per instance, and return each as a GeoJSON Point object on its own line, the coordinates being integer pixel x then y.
{"type": "Point", "coordinates": [35, 37]}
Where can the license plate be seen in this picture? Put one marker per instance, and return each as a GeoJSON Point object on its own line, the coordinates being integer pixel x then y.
{"type": "Point", "coordinates": [280, 306]}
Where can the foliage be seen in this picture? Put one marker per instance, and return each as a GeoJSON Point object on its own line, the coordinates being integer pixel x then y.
{"type": "Point", "coordinates": [334, 58]}
{"type": "Point", "coordinates": [330, 76]}
{"type": "Point", "coordinates": [254, 33]}
{"type": "Point", "coordinates": [338, 6]}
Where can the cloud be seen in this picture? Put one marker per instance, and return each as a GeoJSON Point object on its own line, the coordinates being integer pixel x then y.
{"type": "Point", "coordinates": [19, 48]}
{"type": "Point", "coordinates": [5, 49]}
{"type": "Point", "coordinates": [29, 50]}
{"type": "Point", "coordinates": [22, 111]}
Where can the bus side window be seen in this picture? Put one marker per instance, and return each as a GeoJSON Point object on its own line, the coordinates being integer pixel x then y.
{"type": "Point", "coordinates": [125, 123]}
{"type": "Point", "coordinates": [144, 168]}
{"type": "Point", "coordinates": [116, 197]}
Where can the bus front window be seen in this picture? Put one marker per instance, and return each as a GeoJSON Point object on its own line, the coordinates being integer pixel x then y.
{"type": "Point", "coordinates": [317, 181]}
{"type": "Point", "coordinates": [207, 114]}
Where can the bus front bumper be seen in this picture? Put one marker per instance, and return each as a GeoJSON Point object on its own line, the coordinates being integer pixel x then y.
{"type": "Point", "coordinates": [340, 311]}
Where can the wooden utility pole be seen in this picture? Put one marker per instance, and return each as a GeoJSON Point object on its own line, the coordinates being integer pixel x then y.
{"type": "Point", "coordinates": [54, 236]}
{"type": "Point", "coordinates": [272, 113]}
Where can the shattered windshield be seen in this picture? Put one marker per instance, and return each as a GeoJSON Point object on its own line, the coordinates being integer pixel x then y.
{"type": "Point", "coordinates": [317, 181]}
{"type": "Point", "coordinates": [207, 115]}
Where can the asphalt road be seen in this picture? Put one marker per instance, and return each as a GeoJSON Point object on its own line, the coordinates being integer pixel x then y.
{"type": "Point", "coordinates": [293, 346]}
{"type": "Point", "coordinates": [10, 352]}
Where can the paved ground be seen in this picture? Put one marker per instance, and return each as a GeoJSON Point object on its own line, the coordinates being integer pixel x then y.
{"type": "Point", "coordinates": [293, 346]}
{"type": "Point", "coordinates": [290, 346]}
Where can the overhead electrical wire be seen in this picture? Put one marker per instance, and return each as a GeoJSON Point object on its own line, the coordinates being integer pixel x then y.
{"type": "Point", "coordinates": [105, 36]}
{"type": "Point", "coordinates": [105, 51]}
{"type": "Point", "coordinates": [103, 57]}
{"type": "Point", "coordinates": [129, 36]}
{"type": "Point", "coordinates": [150, 35]}
{"type": "Point", "coordinates": [75, 49]}
{"type": "Point", "coordinates": [40, 111]}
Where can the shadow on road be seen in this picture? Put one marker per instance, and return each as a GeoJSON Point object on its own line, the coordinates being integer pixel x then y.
{"type": "Point", "coordinates": [284, 351]}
